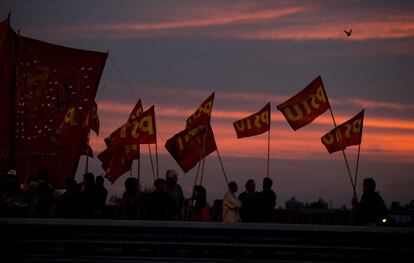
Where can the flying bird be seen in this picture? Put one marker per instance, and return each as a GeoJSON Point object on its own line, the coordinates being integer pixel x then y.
{"type": "Point", "coordinates": [348, 33]}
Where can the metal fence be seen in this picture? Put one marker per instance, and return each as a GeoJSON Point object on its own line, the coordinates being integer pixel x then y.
{"type": "Point", "coordinates": [76, 240]}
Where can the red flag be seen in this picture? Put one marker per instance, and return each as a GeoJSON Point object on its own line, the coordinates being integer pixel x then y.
{"type": "Point", "coordinates": [136, 112]}
{"type": "Point", "coordinates": [117, 159]}
{"type": "Point", "coordinates": [140, 130]}
{"type": "Point", "coordinates": [190, 146]}
{"type": "Point", "coordinates": [305, 106]}
{"type": "Point", "coordinates": [202, 115]}
{"type": "Point", "coordinates": [255, 124]}
{"type": "Point", "coordinates": [51, 80]}
{"type": "Point", "coordinates": [7, 95]}
{"type": "Point", "coordinates": [120, 162]}
{"type": "Point", "coordinates": [105, 157]}
{"type": "Point", "coordinates": [94, 118]}
{"type": "Point", "coordinates": [108, 140]}
{"type": "Point", "coordinates": [347, 134]}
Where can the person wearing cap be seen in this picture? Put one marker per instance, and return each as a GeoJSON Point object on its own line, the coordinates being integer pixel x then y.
{"type": "Point", "coordinates": [176, 192]}
{"type": "Point", "coordinates": [12, 172]}
{"type": "Point", "coordinates": [11, 196]}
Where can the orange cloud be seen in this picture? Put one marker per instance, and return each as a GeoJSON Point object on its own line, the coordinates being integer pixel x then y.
{"type": "Point", "coordinates": [392, 28]}
{"type": "Point", "coordinates": [296, 22]}
{"type": "Point", "coordinates": [202, 18]}
{"type": "Point", "coordinates": [220, 20]}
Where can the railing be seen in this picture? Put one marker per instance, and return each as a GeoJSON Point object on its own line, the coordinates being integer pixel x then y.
{"type": "Point", "coordinates": [77, 240]}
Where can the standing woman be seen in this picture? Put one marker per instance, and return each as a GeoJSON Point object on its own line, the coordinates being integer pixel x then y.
{"type": "Point", "coordinates": [198, 206]}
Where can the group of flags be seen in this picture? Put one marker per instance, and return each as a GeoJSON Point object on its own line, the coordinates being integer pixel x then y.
{"type": "Point", "coordinates": [310, 103]}
{"type": "Point", "coordinates": [123, 144]}
{"type": "Point", "coordinates": [48, 99]}
{"type": "Point", "coordinates": [196, 141]}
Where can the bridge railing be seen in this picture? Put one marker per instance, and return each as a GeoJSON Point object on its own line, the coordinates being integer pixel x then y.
{"type": "Point", "coordinates": [76, 240]}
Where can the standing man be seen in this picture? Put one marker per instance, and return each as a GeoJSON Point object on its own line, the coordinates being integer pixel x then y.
{"type": "Point", "coordinates": [176, 192]}
{"type": "Point", "coordinates": [267, 201]}
{"type": "Point", "coordinates": [249, 211]}
{"type": "Point", "coordinates": [231, 205]}
{"type": "Point", "coordinates": [371, 210]}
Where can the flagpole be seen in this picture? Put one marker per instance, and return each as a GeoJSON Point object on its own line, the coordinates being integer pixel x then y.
{"type": "Point", "coordinates": [357, 167]}
{"type": "Point", "coordinates": [198, 170]}
{"type": "Point", "coordinates": [222, 167]}
{"type": "Point", "coordinates": [204, 153]}
{"type": "Point", "coordinates": [357, 164]}
{"type": "Point", "coordinates": [139, 169]}
{"type": "Point", "coordinates": [268, 152]}
{"type": "Point", "coordinates": [87, 153]}
{"type": "Point", "coordinates": [202, 171]}
{"type": "Point", "coordinates": [343, 152]}
{"type": "Point", "coordinates": [152, 163]}
{"type": "Point", "coordinates": [156, 158]}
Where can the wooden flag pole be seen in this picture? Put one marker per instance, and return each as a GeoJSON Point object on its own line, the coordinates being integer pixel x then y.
{"type": "Point", "coordinates": [156, 158]}
{"type": "Point", "coordinates": [202, 171]}
{"type": "Point", "coordinates": [204, 153]}
{"type": "Point", "coordinates": [139, 169]}
{"type": "Point", "coordinates": [343, 152]}
{"type": "Point", "coordinates": [268, 152]}
{"type": "Point", "coordinates": [152, 162]}
{"type": "Point", "coordinates": [357, 167]}
{"type": "Point", "coordinates": [198, 169]}
{"type": "Point", "coordinates": [222, 167]}
{"type": "Point", "coordinates": [357, 164]}
{"type": "Point", "coordinates": [87, 154]}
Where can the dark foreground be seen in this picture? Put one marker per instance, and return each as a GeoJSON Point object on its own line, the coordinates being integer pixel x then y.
{"type": "Point", "coordinates": [76, 240]}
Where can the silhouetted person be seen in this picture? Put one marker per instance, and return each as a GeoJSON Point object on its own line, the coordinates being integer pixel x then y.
{"type": "Point", "coordinates": [101, 195]}
{"type": "Point", "coordinates": [69, 200]}
{"type": "Point", "coordinates": [160, 204]}
{"type": "Point", "coordinates": [11, 196]}
{"type": "Point", "coordinates": [217, 211]}
{"type": "Point", "coordinates": [87, 197]}
{"type": "Point", "coordinates": [267, 201]}
{"type": "Point", "coordinates": [198, 209]}
{"type": "Point", "coordinates": [176, 192]}
{"type": "Point", "coordinates": [371, 209]}
{"type": "Point", "coordinates": [250, 202]}
{"type": "Point", "coordinates": [44, 196]}
{"type": "Point", "coordinates": [231, 205]}
{"type": "Point", "coordinates": [130, 199]}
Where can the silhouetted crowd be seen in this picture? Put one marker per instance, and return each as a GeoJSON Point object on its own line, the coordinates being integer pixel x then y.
{"type": "Point", "coordinates": [166, 201]}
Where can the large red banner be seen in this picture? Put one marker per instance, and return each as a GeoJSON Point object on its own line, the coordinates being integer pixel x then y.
{"type": "Point", "coordinates": [305, 106]}
{"type": "Point", "coordinates": [347, 134]}
{"type": "Point", "coordinates": [190, 146]}
{"type": "Point", "coordinates": [52, 82]}
{"type": "Point", "coordinates": [254, 124]}
{"type": "Point", "coordinates": [7, 95]}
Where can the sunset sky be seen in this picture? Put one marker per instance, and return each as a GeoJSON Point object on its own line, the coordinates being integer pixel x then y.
{"type": "Point", "coordinates": [174, 54]}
